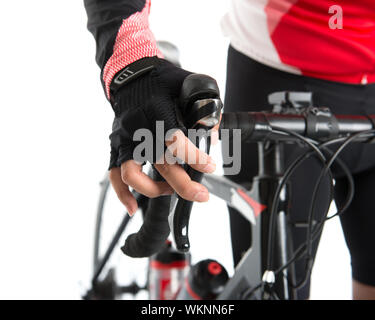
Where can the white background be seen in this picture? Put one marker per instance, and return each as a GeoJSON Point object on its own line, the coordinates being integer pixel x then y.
{"type": "Point", "coordinates": [54, 127]}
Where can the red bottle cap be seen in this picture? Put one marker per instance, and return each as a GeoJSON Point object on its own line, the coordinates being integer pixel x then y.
{"type": "Point", "coordinates": [214, 268]}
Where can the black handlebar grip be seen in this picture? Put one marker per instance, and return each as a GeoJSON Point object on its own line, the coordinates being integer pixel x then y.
{"type": "Point", "coordinates": [243, 121]}
{"type": "Point", "coordinates": [155, 230]}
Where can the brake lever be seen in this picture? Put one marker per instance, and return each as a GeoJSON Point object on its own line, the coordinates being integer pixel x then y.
{"type": "Point", "coordinates": [204, 114]}
{"type": "Point", "coordinates": [179, 216]}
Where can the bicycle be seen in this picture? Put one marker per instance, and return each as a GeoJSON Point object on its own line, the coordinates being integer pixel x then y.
{"type": "Point", "coordinates": [266, 271]}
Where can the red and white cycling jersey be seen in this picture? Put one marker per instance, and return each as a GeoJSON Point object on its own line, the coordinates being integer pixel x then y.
{"type": "Point", "coordinates": [295, 36]}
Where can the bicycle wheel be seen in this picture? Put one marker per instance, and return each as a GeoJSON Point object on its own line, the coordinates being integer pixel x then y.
{"type": "Point", "coordinates": [116, 276]}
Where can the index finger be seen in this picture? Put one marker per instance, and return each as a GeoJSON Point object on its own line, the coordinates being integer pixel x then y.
{"type": "Point", "coordinates": [132, 175]}
{"type": "Point", "coordinates": [180, 181]}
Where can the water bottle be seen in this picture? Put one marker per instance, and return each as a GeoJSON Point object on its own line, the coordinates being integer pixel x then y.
{"type": "Point", "coordinates": [168, 269]}
{"type": "Point", "coordinates": [205, 281]}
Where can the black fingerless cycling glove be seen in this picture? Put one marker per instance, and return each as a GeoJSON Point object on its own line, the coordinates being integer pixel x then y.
{"type": "Point", "coordinates": [143, 93]}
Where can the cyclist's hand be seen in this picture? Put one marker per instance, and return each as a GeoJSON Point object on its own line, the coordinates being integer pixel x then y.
{"type": "Point", "coordinates": [138, 105]}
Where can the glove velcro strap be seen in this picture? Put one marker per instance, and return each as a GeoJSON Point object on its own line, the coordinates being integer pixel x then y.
{"type": "Point", "coordinates": [132, 72]}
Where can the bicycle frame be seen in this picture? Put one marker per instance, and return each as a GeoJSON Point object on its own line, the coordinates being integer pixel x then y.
{"type": "Point", "coordinates": [254, 205]}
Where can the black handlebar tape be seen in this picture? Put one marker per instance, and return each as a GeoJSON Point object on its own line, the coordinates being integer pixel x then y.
{"type": "Point", "coordinates": [181, 216]}
{"type": "Point", "coordinates": [238, 120]}
{"type": "Point", "coordinates": [151, 237]}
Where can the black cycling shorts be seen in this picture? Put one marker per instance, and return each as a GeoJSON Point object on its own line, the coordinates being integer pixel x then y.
{"type": "Point", "coordinates": [247, 87]}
